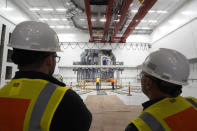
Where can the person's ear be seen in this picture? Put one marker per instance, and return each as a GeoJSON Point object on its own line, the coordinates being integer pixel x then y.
{"type": "Point", "coordinates": [149, 83]}
{"type": "Point", "coordinates": [49, 60]}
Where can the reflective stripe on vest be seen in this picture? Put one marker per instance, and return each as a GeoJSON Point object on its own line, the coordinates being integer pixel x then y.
{"type": "Point", "coordinates": [40, 106]}
{"type": "Point", "coordinates": [163, 114]}
{"type": "Point", "coordinates": [191, 101]}
{"type": "Point", "coordinates": [97, 80]}
{"type": "Point", "coordinates": [153, 124]}
{"type": "Point", "coordinates": [28, 97]}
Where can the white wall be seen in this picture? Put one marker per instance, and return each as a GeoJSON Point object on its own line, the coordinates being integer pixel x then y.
{"type": "Point", "coordinates": [139, 38]}
{"type": "Point", "coordinates": [74, 36]}
{"type": "Point", "coordinates": [9, 28]}
{"type": "Point", "coordinates": [131, 54]}
{"type": "Point", "coordinates": [9, 16]}
{"type": "Point", "coordinates": [179, 32]}
{"type": "Point", "coordinates": [121, 51]}
{"type": "Point", "coordinates": [12, 12]}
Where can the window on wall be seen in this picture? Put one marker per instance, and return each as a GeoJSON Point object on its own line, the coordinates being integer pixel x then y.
{"type": "Point", "coordinates": [3, 31]}
{"type": "Point", "coordinates": [9, 37]}
{"type": "Point", "coordinates": [8, 74]}
{"type": "Point", "coordinates": [9, 55]}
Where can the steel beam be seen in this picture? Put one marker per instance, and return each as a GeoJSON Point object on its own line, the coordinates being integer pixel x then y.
{"type": "Point", "coordinates": [108, 18]}
{"type": "Point", "coordinates": [125, 8]}
{"type": "Point", "coordinates": [88, 13]}
{"type": "Point", "coordinates": [143, 10]}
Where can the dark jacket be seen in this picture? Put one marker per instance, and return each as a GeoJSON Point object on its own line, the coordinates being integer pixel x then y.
{"type": "Point", "coordinates": [71, 114]}
{"type": "Point", "coordinates": [131, 126]}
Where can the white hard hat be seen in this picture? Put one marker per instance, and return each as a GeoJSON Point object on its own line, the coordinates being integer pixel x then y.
{"type": "Point", "coordinates": [36, 36]}
{"type": "Point", "coordinates": [168, 65]}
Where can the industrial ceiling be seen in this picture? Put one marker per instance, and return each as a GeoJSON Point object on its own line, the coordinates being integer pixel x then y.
{"type": "Point", "coordinates": [105, 20]}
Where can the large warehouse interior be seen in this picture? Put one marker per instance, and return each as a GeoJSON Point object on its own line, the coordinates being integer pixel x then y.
{"type": "Point", "coordinates": [103, 46]}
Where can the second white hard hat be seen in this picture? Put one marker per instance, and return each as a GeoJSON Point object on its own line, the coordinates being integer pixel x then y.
{"type": "Point", "coordinates": [168, 65]}
{"type": "Point", "coordinates": [36, 36]}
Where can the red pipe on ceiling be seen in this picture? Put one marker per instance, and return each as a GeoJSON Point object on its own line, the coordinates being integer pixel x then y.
{"type": "Point", "coordinates": [108, 18]}
{"type": "Point", "coordinates": [143, 10]}
{"type": "Point", "coordinates": [87, 6]}
{"type": "Point", "coordinates": [125, 8]}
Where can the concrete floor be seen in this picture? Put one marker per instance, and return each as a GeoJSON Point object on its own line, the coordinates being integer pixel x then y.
{"type": "Point", "coordinates": [110, 113]}
{"type": "Point", "coordinates": [113, 112]}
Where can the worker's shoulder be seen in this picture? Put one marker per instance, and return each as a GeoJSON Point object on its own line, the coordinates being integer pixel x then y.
{"type": "Point", "coordinates": [191, 97]}
{"type": "Point", "coordinates": [71, 94]}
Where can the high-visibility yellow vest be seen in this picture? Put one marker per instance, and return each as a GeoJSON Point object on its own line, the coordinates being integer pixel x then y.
{"type": "Point", "coordinates": [169, 114]}
{"type": "Point", "coordinates": [29, 104]}
{"type": "Point", "coordinates": [97, 80]}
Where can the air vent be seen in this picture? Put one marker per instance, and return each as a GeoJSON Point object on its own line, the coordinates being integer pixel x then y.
{"type": "Point", "coordinates": [98, 2]}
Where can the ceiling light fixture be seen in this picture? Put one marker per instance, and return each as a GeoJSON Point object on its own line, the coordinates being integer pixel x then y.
{"type": "Point", "coordinates": [176, 21]}
{"type": "Point", "coordinates": [68, 27]}
{"type": "Point", "coordinates": [6, 9]}
{"type": "Point", "coordinates": [103, 20]}
{"type": "Point", "coordinates": [93, 19]}
{"type": "Point", "coordinates": [143, 28]}
{"type": "Point", "coordinates": [82, 19]}
{"type": "Point", "coordinates": [162, 11]}
{"type": "Point", "coordinates": [151, 11]}
{"type": "Point", "coordinates": [47, 9]}
{"type": "Point", "coordinates": [34, 9]}
{"type": "Point", "coordinates": [131, 5]}
{"type": "Point", "coordinates": [68, 3]}
{"type": "Point", "coordinates": [65, 19]}
{"type": "Point", "coordinates": [52, 26]}
{"type": "Point", "coordinates": [152, 21]}
{"type": "Point", "coordinates": [61, 10]}
{"type": "Point", "coordinates": [189, 13]}
{"type": "Point", "coordinates": [146, 28]}
{"type": "Point", "coordinates": [60, 26]}
{"type": "Point", "coordinates": [55, 19]}
{"type": "Point", "coordinates": [143, 21]}
{"type": "Point", "coordinates": [19, 19]}
{"type": "Point", "coordinates": [134, 11]}
{"type": "Point", "coordinates": [117, 20]}
{"type": "Point", "coordinates": [43, 19]}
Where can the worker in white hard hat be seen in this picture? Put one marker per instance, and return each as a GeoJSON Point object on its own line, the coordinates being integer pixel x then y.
{"type": "Point", "coordinates": [34, 100]}
{"type": "Point", "coordinates": [164, 72]}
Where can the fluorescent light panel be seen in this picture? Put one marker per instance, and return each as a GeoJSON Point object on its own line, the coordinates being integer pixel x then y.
{"type": "Point", "coordinates": [162, 11]}
{"type": "Point", "coordinates": [65, 19]}
{"type": "Point", "coordinates": [152, 21]}
{"type": "Point", "coordinates": [152, 11]}
{"type": "Point", "coordinates": [134, 11]}
{"type": "Point", "coordinates": [61, 26]}
{"type": "Point", "coordinates": [93, 19]}
{"type": "Point", "coordinates": [61, 9]}
{"type": "Point", "coordinates": [42, 19]}
{"type": "Point", "coordinates": [34, 9]}
{"type": "Point", "coordinates": [103, 20]}
{"type": "Point", "coordinates": [82, 19]}
{"type": "Point", "coordinates": [6, 9]}
{"type": "Point", "coordinates": [47, 9]}
{"type": "Point", "coordinates": [189, 13]}
{"type": "Point", "coordinates": [55, 19]}
{"type": "Point", "coordinates": [143, 28]}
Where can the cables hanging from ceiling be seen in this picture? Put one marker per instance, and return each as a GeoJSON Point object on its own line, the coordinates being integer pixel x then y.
{"type": "Point", "coordinates": [140, 46]}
